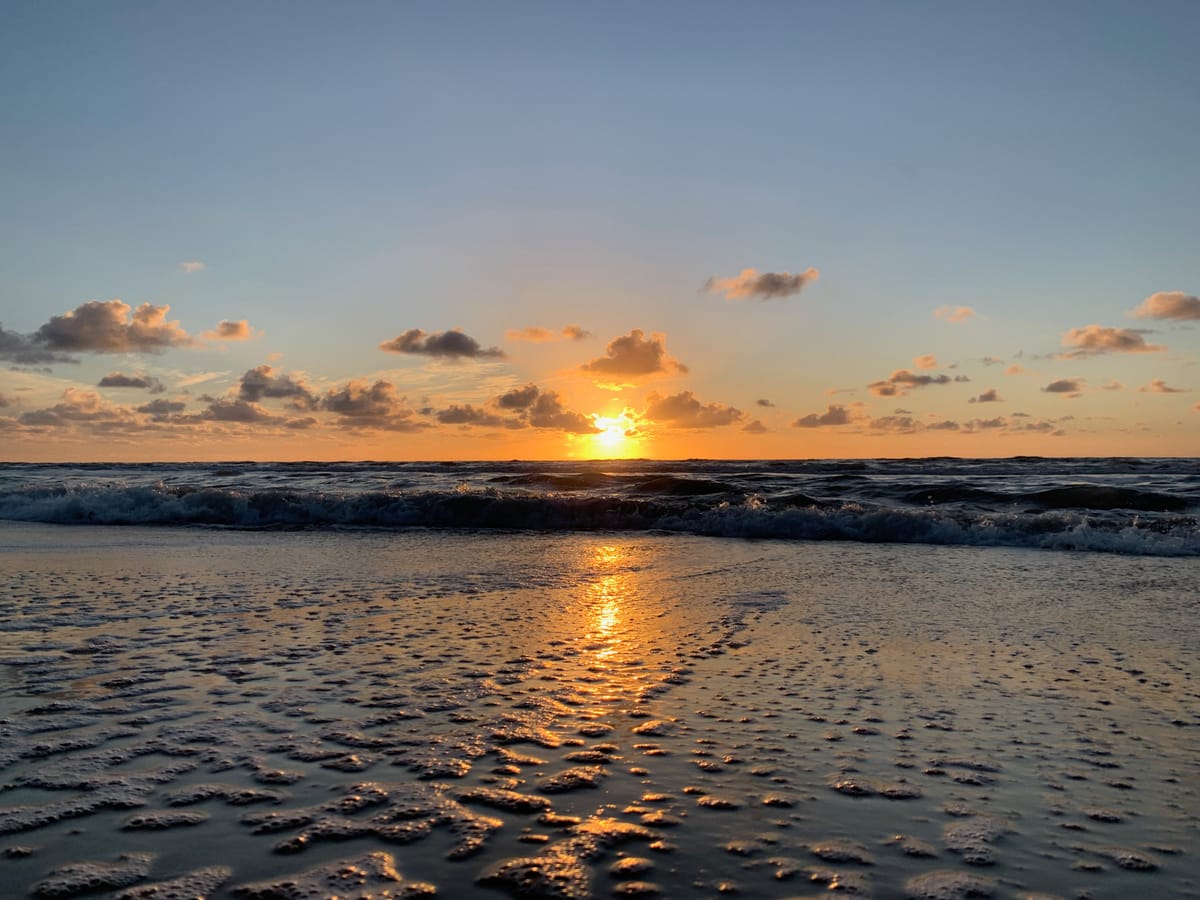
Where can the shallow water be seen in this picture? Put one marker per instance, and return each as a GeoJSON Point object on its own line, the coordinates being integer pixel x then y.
{"type": "Point", "coordinates": [592, 714]}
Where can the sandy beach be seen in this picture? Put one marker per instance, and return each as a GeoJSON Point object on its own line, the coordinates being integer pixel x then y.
{"type": "Point", "coordinates": [294, 714]}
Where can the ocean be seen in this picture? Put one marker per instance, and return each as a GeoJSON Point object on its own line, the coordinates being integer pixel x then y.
{"type": "Point", "coordinates": [919, 678]}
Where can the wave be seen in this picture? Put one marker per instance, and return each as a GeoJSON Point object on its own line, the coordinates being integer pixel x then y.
{"type": "Point", "coordinates": [799, 518]}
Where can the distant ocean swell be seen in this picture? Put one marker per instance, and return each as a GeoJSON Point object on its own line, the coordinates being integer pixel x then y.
{"type": "Point", "coordinates": [1078, 517]}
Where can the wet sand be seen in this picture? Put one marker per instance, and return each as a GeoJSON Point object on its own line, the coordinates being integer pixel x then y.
{"type": "Point", "coordinates": [237, 714]}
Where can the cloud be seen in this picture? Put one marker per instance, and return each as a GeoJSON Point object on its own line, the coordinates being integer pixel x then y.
{"type": "Point", "coordinates": [161, 409]}
{"type": "Point", "coordinates": [685, 411]}
{"type": "Point", "coordinates": [1014, 369]}
{"type": "Point", "coordinates": [374, 405]}
{"type": "Point", "coordinates": [231, 410]}
{"type": "Point", "coordinates": [518, 398]}
{"type": "Point", "coordinates": [1158, 386]}
{"type": "Point", "coordinates": [928, 361]}
{"type": "Point", "coordinates": [1112, 385]}
{"type": "Point", "coordinates": [992, 361]}
{"type": "Point", "coordinates": [470, 415]}
{"type": "Point", "coordinates": [112, 326]}
{"type": "Point", "coordinates": [1168, 305]}
{"type": "Point", "coordinates": [633, 354]}
{"type": "Point", "coordinates": [988, 396]}
{"type": "Point", "coordinates": [547, 411]}
{"type": "Point", "coordinates": [22, 350]}
{"type": "Point", "coordinates": [1092, 340]}
{"type": "Point", "coordinates": [537, 335]}
{"type": "Point", "coordinates": [954, 314]}
{"type": "Point", "coordinates": [901, 381]}
{"type": "Point", "coordinates": [144, 382]}
{"type": "Point", "coordinates": [80, 406]}
{"type": "Point", "coordinates": [764, 285]}
{"type": "Point", "coordinates": [834, 415]}
{"type": "Point", "coordinates": [453, 344]}
{"type": "Point", "coordinates": [1071, 387]}
{"type": "Point", "coordinates": [264, 381]}
{"type": "Point", "coordinates": [755, 427]}
{"type": "Point", "coordinates": [764, 402]}
{"type": "Point", "coordinates": [192, 266]}
{"type": "Point", "coordinates": [231, 331]}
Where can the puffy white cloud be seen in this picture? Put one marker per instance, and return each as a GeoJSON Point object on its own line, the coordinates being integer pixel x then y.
{"type": "Point", "coordinates": [1168, 305]}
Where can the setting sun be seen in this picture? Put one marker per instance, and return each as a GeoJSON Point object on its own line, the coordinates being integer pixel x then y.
{"type": "Point", "coordinates": [618, 438]}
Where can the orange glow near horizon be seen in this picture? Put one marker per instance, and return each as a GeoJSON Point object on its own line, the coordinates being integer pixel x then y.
{"type": "Point", "coordinates": [617, 439]}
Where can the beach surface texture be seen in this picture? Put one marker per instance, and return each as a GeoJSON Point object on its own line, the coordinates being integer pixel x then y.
{"type": "Point", "coordinates": [906, 679]}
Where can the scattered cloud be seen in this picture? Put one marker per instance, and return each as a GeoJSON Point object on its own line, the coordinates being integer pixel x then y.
{"type": "Point", "coordinates": [1168, 305]}
{"type": "Point", "coordinates": [928, 361]}
{"type": "Point", "coordinates": [518, 398]}
{"type": "Point", "coordinates": [685, 411]}
{"type": "Point", "coordinates": [764, 402]}
{"type": "Point", "coordinates": [453, 344]}
{"type": "Point", "coordinates": [143, 382]}
{"type": "Point", "coordinates": [1070, 387]}
{"type": "Point", "coordinates": [537, 335]}
{"type": "Point", "coordinates": [469, 415]}
{"type": "Point", "coordinates": [161, 409]}
{"type": "Point", "coordinates": [988, 396]}
{"type": "Point", "coordinates": [751, 283]}
{"type": "Point", "coordinates": [755, 427]}
{"type": "Point", "coordinates": [954, 314]}
{"type": "Point", "coordinates": [1112, 385]}
{"type": "Point", "coordinates": [370, 405]}
{"type": "Point", "coordinates": [265, 381]}
{"type": "Point", "coordinates": [112, 326]}
{"type": "Point", "coordinates": [1158, 386]}
{"type": "Point", "coordinates": [992, 361]}
{"type": "Point", "coordinates": [1014, 369]}
{"type": "Point", "coordinates": [901, 381]}
{"type": "Point", "coordinates": [232, 331]}
{"type": "Point", "coordinates": [80, 406]}
{"type": "Point", "coordinates": [191, 267]}
{"type": "Point", "coordinates": [834, 415]}
{"type": "Point", "coordinates": [1092, 340]}
{"type": "Point", "coordinates": [226, 409]}
{"type": "Point", "coordinates": [21, 349]}
{"type": "Point", "coordinates": [633, 355]}
{"type": "Point", "coordinates": [547, 411]}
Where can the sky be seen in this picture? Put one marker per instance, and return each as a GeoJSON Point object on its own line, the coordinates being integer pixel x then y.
{"type": "Point", "coordinates": [304, 230]}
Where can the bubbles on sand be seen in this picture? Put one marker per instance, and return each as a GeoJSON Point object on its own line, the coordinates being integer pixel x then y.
{"type": "Point", "coordinates": [302, 715]}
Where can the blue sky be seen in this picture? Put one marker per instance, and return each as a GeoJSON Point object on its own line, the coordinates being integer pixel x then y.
{"type": "Point", "coordinates": [346, 172]}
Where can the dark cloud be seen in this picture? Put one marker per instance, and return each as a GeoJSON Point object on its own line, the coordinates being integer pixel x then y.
{"type": "Point", "coordinates": [265, 381]}
{"type": "Point", "coordinates": [1168, 305]}
{"type": "Point", "coordinates": [833, 415]}
{"type": "Point", "coordinates": [901, 381]}
{"type": "Point", "coordinates": [143, 382]}
{"type": "Point", "coordinates": [518, 398]}
{"type": "Point", "coordinates": [684, 411]}
{"type": "Point", "coordinates": [1092, 340]}
{"type": "Point", "coordinates": [472, 415]}
{"type": "Point", "coordinates": [376, 405]}
{"type": "Point", "coordinates": [230, 410]}
{"type": "Point", "coordinates": [1070, 386]}
{"type": "Point", "coordinates": [634, 354]}
{"type": "Point", "coordinates": [755, 427]}
{"type": "Point", "coordinates": [764, 285]}
{"type": "Point", "coordinates": [452, 344]}
{"type": "Point", "coordinates": [547, 411]}
{"type": "Point", "coordinates": [162, 408]}
{"type": "Point", "coordinates": [22, 350]}
{"type": "Point", "coordinates": [764, 402]}
{"type": "Point", "coordinates": [991, 395]}
{"type": "Point", "coordinates": [112, 326]}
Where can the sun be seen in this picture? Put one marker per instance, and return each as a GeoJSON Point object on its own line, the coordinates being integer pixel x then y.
{"type": "Point", "coordinates": [617, 438]}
